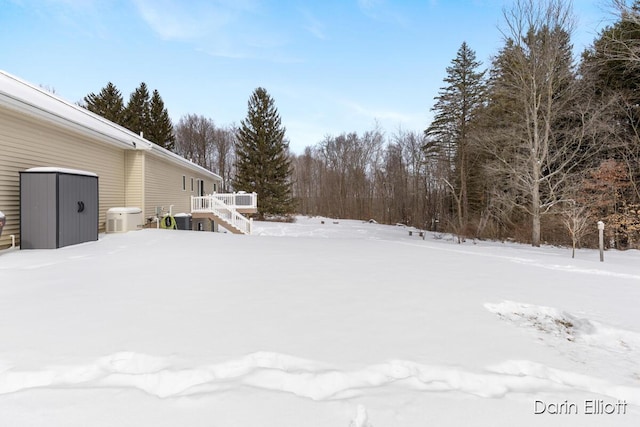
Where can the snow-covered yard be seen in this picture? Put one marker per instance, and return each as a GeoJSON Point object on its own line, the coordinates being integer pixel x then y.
{"type": "Point", "coordinates": [340, 324]}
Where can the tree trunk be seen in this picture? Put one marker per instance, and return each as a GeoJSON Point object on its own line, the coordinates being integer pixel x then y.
{"type": "Point", "coordinates": [535, 215]}
{"type": "Point", "coordinates": [463, 209]}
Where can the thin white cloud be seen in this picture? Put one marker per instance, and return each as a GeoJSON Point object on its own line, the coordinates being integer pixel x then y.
{"type": "Point", "coordinates": [369, 4]}
{"type": "Point", "coordinates": [84, 17]}
{"type": "Point", "coordinates": [313, 25]}
{"type": "Point", "coordinates": [221, 28]}
{"type": "Point", "coordinates": [383, 11]}
{"type": "Point", "coordinates": [171, 19]}
{"type": "Point", "coordinates": [228, 51]}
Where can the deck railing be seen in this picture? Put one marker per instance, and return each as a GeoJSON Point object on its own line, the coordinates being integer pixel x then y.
{"type": "Point", "coordinates": [214, 204]}
{"type": "Point", "coordinates": [238, 200]}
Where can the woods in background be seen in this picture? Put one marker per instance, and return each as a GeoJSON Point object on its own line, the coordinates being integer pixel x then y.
{"type": "Point", "coordinates": [537, 147]}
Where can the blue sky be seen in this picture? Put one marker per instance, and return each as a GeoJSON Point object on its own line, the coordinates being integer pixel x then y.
{"type": "Point", "coordinates": [332, 66]}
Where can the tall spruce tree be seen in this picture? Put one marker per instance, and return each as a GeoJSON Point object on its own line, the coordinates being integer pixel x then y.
{"type": "Point", "coordinates": [136, 114]}
{"type": "Point", "coordinates": [449, 131]}
{"type": "Point", "coordinates": [108, 103]}
{"type": "Point", "coordinates": [610, 63]}
{"type": "Point", "coordinates": [262, 159]}
{"type": "Point", "coordinates": [160, 128]}
{"type": "Point", "coordinates": [611, 68]}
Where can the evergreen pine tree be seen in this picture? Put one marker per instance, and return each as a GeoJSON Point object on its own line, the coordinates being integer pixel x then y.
{"type": "Point", "coordinates": [160, 128]}
{"type": "Point", "coordinates": [609, 68]}
{"type": "Point", "coordinates": [108, 103]}
{"type": "Point", "coordinates": [262, 159]}
{"type": "Point", "coordinates": [449, 131]}
{"type": "Point", "coordinates": [136, 115]}
{"type": "Point", "coordinates": [611, 71]}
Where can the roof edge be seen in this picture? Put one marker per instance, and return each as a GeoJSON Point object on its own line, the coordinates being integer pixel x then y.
{"type": "Point", "coordinates": [95, 126]}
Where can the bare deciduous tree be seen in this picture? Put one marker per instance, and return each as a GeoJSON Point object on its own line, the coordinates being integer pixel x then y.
{"type": "Point", "coordinates": [577, 220]}
{"type": "Point", "coordinates": [535, 83]}
{"type": "Point", "coordinates": [194, 136]}
{"type": "Point", "coordinates": [199, 140]}
{"type": "Point", "coordinates": [222, 153]}
{"type": "Point", "coordinates": [365, 177]}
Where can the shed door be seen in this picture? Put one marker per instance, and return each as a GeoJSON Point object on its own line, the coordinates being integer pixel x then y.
{"type": "Point", "coordinates": [77, 209]}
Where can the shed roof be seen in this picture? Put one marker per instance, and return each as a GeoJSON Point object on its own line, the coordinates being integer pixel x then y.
{"type": "Point", "coordinates": [51, 169]}
{"type": "Point", "coordinates": [21, 96]}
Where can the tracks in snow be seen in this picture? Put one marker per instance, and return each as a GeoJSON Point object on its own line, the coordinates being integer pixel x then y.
{"type": "Point", "coordinates": [304, 378]}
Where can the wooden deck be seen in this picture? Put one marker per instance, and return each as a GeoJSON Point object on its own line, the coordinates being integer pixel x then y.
{"type": "Point", "coordinates": [226, 210]}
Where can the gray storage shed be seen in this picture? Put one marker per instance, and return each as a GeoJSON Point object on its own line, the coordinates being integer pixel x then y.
{"type": "Point", "coordinates": [58, 207]}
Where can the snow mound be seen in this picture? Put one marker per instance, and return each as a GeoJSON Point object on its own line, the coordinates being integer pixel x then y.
{"type": "Point", "coordinates": [304, 378]}
{"type": "Point", "coordinates": [127, 362]}
{"type": "Point", "coordinates": [567, 326]}
{"type": "Point", "coordinates": [545, 319]}
{"type": "Point", "coordinates": [564, 380]}
{"type": "Point", "coordinates": [361, 419]}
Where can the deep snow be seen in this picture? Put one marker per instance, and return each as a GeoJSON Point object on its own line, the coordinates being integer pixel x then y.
{"type": "Point", "coordinates": [341, 323]}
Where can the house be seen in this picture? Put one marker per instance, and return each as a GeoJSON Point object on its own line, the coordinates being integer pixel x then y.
{"type": "Point", "coordinates": [39, 129]}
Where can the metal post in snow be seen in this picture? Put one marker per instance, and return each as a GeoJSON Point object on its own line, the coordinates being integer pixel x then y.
{"type": "Point", "coordinates": [601, 239]}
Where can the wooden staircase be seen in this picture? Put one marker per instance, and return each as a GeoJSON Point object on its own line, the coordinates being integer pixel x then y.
{"type": "Point", "coordinates": [226, 210]}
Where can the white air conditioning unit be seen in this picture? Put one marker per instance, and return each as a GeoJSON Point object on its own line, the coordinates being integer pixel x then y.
{"type": "Point", "coordinates": [120, 220]}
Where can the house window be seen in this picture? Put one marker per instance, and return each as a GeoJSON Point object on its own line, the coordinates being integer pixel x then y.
{"type": "Point", "coordinates": [215, 187]}
{"type": "Point", "coordinates": [192, 185]}
{"type": "Point", "coordinates": [184, 183]}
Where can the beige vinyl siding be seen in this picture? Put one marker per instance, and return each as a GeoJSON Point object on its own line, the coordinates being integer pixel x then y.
{"type": "Point", "coordinates": [134, 179]}
{"type": "Point", "coordinates": [26, 142]}
{"type": "Point", "coordinates": [163, 185]}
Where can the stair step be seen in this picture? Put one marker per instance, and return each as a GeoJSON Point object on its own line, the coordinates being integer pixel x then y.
{"type": "Point", "coordinates": [216, 205]}
{"type": "Point", "coordinates": [222, 221]}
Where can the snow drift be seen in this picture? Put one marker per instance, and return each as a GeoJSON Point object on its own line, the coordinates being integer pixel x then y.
{"type": "Point", "coordinates": [316, 323]}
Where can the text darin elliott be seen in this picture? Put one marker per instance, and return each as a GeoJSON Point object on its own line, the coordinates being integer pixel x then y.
{"type": "Point", "coordinates": [588, 407]}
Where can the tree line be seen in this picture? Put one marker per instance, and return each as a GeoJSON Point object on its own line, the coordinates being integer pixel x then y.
{"type": "Point", "coordinates": [252, 157]}
{"type": "Point", "coordinates": [535, 147]}
{"type": "Point", "coordinates": [144, 114]}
